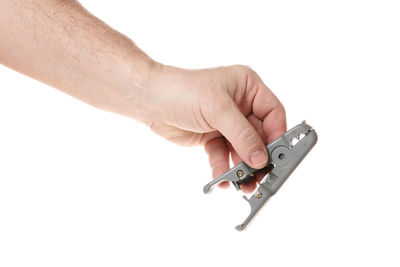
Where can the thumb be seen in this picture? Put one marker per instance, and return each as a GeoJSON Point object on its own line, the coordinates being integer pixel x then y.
{"type": "Point", "coordinates": [241, 134]}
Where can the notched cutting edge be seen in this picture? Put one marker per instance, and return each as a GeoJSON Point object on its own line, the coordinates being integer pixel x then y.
{"type": "Point", "coordinates": [283, 156]}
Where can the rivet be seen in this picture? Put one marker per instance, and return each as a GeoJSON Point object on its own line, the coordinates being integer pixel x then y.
{"type": "Point", "coordinates": [240, 173]}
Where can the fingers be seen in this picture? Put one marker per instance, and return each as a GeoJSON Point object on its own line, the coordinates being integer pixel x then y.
{"type": "Point", "coordinates": [274, 124]}
{"type": "Point", "coordinates": [269, 109]}
{"type": "Point", "coordinates": [258, 125]}
{"type": "Point", "coordinates": [218, 156]}
{"type": "Point", "coordinates": [252, 184]}
{"type": "Point", "coordinates": [241, 134]}
{"type": "Point", "coordinates": [219, 149]}
{"type": "Point", "coordinates": [246, 136]}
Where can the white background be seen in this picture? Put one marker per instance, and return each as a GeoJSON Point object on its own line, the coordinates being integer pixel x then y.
{"type": "Point", "coordinates": [81, 187]}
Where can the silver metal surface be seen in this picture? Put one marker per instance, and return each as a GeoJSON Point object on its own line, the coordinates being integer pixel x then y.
{"type": "Point", "coordinates": [284, 156]}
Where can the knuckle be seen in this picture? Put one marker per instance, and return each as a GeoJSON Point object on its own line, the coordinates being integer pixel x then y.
{"type": "Point", "coordinates": [283, 120]}
{"type": "Point", "coordinates": [247, 71]}
{"type": "Point", "coordinates": [281, 109]}
{"type": "Point", "coordinates": [246, 135]}
{"type": "Point", "coordinates": [243, 68]}
{"type": "Point", "coordinates": [247, 74]}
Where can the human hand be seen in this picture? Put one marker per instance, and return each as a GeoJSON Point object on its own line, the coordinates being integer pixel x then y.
{"type": "Point", "coordinates": [229, 110]}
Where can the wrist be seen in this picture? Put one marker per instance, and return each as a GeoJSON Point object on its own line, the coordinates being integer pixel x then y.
{"type": "Point", "coordinates": [132, 87]}
{"type": "Point", "coordinates": [145, 92]}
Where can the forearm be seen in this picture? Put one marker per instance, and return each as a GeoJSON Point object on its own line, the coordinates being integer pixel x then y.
{"type": "Point", "coordinates": [58, 42]}
{"type": "Point", "coordinates": [61, 44]}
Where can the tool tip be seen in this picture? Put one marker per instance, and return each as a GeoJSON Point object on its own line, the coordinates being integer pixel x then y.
{"type": "Point", "coordinates": [206, 188]}
{"type": "Point", "coordinates": [240, 227]}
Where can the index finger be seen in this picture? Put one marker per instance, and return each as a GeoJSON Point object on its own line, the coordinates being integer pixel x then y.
{"type": "Point", "coordinates": [268, 108]}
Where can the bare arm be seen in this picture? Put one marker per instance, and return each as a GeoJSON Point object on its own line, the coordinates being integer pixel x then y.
{"type": "Point", "coordinates": [229, 110]}
{"type": "Point", "coordinates": [61, 44]}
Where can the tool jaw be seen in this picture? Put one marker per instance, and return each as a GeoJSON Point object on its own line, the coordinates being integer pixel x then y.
{"type": "Point", "coordinates": [286, 157]}
{"type": "Point", "coordinates": [285, 154]}
{"type": "Point", "coordinates": [236, 175]}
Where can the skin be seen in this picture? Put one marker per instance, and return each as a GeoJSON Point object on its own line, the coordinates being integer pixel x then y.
{"type": "Point", "coordinates": [228, 110]}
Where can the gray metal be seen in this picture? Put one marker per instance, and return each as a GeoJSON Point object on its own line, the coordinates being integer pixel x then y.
{"type": "Point", "coordinates": [284, 156]}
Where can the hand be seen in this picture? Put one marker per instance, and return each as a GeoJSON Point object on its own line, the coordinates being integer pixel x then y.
{"type": "Point", "coordinates": [229, 110]}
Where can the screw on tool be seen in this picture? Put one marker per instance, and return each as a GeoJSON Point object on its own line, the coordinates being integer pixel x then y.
{"type": "Point", "coordinates": [284, 157]}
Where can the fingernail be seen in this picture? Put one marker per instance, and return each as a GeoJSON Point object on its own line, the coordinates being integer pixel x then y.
{"type": "Point", "coordinates": [259, 158]}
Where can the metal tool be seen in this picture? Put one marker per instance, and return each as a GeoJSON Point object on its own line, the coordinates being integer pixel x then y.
{"type": "Point", "coordinates": [285, 154]}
